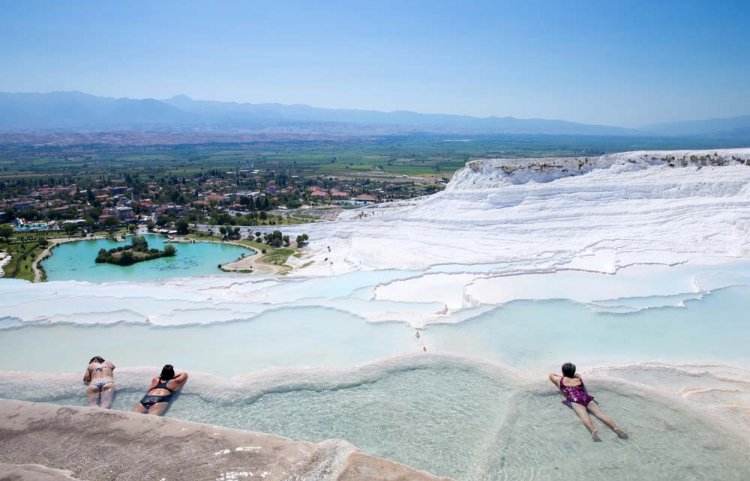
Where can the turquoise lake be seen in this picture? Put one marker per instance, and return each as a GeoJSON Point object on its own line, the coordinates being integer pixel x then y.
{"type": "Point", "coordinates": [75, 261]}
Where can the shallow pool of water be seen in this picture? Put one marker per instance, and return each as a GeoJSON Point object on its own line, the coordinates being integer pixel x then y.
{"type": "Point", "coordinates": [535, 335]}
{"type": "Point", "coordinates": [76, 261]}
{"type": "Point", "coordinates": [471, 425]}
{"type": "Point", "coordinates": [284, 337]}
{"type": "Point", "coordinates": [292, 357]}
{"type": "Point", "coordinates": [543, 334]}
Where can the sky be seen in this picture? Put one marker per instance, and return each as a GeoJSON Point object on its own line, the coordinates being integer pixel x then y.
{"type": "Point", "coordinates": [615, 62]}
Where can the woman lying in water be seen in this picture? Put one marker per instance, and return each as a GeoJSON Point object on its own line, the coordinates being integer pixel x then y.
{"type": "Point", "coordinates": [576, 397]}
{"type": "Point", "coordinates": [160, 391]}
{"type": "Point", "coordinates": [100, 380]}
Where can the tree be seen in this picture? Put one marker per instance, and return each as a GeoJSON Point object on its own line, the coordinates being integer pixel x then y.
{"type": "Point", "coordinates": [70, 228]}
{"type": "Point", "coordinates": [286, 240]}
{"type": "Point", "coordinates": [139, 243]}
{"type": "Point", "coordinates": [163, 220]}
{"type": "Point", "coordinates": [182, 226]}
{"type": "Point", "coordinates": [275, 239]}
{"type": "Point", "coordinates": [131, 228]}
{"type": "Point", "coordinates": [126, 258]}
{"type": "Point", "coordinates": [6, 230]}
{"type": "Point", "coordinates": [110, 222]}
{"type": "Point", "coordinates": [169, 250]}
{"type": "Point", "coordinates": [102, 255]}
{"type": "Point", "coordinates": [302, 240]}
{"type": "Point", "coordinates": [223, 231]}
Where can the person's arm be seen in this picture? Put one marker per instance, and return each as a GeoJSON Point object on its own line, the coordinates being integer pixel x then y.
{"type": "Point", "coordinates": [111, 365]}
{"type": "Point", "coordinates": [554, 379]}
{"type": "Point", "coordinates": [87, 375]}
{"type": "Point", "coordinates": [180, 379]}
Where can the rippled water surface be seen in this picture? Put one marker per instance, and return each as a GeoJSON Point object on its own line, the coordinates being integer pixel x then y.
{"type": "Point", "coordinates": [473, 426]}
{"type": "Point", "coordinates": [297, 357]}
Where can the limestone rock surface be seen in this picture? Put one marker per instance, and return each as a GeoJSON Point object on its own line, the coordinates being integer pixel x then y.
{"type": "Point", "coordinates": [49, 442]}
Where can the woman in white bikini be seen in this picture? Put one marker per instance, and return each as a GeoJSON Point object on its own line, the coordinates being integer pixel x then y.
{"type": "Point", "coordinates": [100, 378]}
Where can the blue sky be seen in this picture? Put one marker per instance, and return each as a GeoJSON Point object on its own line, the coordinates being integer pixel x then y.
{"type": "Point", "coordinates": [617, 62]}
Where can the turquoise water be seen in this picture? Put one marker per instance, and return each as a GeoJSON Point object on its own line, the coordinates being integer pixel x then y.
{"type": "Point", "coordinates": [310, 372]}
{"type": "Point", "coordinates": [283, 337]}
{"type": "Point", "coordinates": [75, 261]}
{"type": "Point", "coordinates": [537, 335]}
{"type": "Point", "coordinates": [543, 334]}
{"type": "Point", "coordinates": [476, 426]}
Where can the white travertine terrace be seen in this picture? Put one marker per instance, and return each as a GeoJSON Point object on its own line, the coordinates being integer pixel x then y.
{"type": "Point", "coordinates": [597, 213]}
{"type": "Point", "coordinates": [618, 234]}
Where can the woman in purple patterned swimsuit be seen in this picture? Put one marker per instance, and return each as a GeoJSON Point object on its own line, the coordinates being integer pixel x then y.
{"type": "Point", "coordinates": [576, 397]}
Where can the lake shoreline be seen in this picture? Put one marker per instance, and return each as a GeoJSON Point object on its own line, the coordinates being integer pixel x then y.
{"type": "Point", "coordinates": [197, 260]}
{"type": "Point", "coordinates": [48, 252]}
{"type": "Point", "coordinates": [244, 265]}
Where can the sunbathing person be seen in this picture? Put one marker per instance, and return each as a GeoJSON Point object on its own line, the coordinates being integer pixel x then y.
{"type": "Point", "coordinates": [100, 378]}
{"type": "Point", "coordinates": [571, 386]}
{"type": "Point", "coordinates": [160, 391]}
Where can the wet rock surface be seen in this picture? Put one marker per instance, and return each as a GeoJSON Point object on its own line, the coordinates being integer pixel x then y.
{"type": "Point", "coordinates": [94, 444]}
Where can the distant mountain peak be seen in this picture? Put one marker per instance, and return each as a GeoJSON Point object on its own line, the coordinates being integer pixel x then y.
{"type": "Point", "coordinates": [181, 97]}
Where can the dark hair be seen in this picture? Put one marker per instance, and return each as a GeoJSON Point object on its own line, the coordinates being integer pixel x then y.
{"type": "Point", "coordinates": [99, 359]}
{"type": "Point", "coordinates": [569, 369]}
{"type": "Point", "coordinates": [167, 372]}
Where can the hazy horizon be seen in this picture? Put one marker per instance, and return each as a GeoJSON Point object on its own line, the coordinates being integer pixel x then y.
{"type": "Point", "coordinates": [177, 95]}
{"type": "Point", "coordinates": [628, 64]}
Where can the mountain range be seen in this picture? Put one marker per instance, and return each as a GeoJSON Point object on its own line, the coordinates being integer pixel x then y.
{"type": "Point", "coordinates": [76, 111]}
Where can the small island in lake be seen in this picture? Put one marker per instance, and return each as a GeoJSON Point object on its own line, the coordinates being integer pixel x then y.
{"type": "Point", "coordinates": [137, 251]}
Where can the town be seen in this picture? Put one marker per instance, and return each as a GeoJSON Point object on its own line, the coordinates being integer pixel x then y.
{"type": "Point", "coordinates": [251, 197]}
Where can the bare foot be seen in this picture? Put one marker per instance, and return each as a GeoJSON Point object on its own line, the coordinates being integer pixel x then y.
{"type": "Point", "coordinates": [595, 436]}
{"type": "Point", "coordinates": [621, 434]}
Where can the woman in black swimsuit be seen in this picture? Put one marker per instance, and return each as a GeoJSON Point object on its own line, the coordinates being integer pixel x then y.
{"type": "Point", "coordinates": [156, 401]}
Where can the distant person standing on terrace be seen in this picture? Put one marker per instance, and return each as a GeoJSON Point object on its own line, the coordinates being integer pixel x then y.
{"type": "Point", "coordinates": [571, 386]}
{"type": "Point", "coordinates": [100, 378]}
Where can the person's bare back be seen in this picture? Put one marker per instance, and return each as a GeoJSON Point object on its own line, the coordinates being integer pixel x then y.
{"type": "Point", "coordinates": [100, 378]}
{"type": "Point", "coordinates": [160, 392]}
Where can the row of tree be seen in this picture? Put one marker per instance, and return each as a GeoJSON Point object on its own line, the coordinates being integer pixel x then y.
{"type": "Point", "coordinates": [137, 251]}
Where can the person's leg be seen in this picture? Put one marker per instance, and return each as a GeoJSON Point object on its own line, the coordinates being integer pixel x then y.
{"type": "Point", "coordinates": [139, 408]}
{"type": "Point", "coordinates": [158, 409]}
{"type": "Point", "coordinates": [108, 395]}
{"type": "Point", "coordinates": [92, 392]}
{"type": "Point", "coordinates": [597, 411]}
{"type": "Point", "coordinates": [584, 415]}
